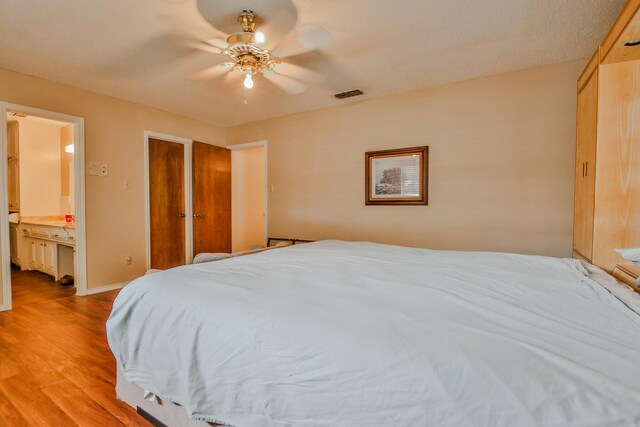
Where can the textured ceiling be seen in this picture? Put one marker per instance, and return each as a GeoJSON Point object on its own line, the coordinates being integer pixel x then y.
{"type": "Point", "coordinates": [137, 50]}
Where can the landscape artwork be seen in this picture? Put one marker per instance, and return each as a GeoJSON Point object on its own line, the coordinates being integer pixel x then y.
{"type": "Point", "coordinates": [396, 177]}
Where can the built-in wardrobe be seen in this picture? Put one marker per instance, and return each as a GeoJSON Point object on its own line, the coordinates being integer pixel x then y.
{"type": "Point", "coordinates": [607, 178]}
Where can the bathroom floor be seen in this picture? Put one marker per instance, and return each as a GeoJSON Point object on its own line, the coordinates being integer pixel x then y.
{"type": "Point", "coordinates": [33, 286]}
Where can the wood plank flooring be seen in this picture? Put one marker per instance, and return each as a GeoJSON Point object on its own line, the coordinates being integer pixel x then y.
{"type": "Point", "coordinates": [55, 366]}
{"type": "Point", "coordinates": [32, 286]}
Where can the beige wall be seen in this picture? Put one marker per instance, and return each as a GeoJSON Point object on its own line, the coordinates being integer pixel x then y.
{"type": "Point", "coordinates": [501, 170]}
{"type": "Point", "coordinates": [113, 134]}
{"type": "Point", "coordinates": [39, 144]}
{"type": "Point", "coordinates": [501, 165]}
{"type": "Point", "coordinates": [247, 198]}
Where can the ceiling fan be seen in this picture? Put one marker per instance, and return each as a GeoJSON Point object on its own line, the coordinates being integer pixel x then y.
{"type": "Point", "coordinates": [247, 53]}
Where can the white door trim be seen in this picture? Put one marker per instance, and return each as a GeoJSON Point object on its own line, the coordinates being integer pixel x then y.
{"type": "Point", "coordinates": [188, 223]}
{"type": "Point", "coordinates": [254, 144]}
{"type": "Point", "coordinates": [80, 263]}
{"type": "Point", "coordinates": [262, 143]}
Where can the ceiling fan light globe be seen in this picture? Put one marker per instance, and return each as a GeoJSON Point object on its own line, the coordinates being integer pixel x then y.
{"type": "Point", "coordinates": [248, 82]}
{"type": "Point", "coordinates": [259, 37]}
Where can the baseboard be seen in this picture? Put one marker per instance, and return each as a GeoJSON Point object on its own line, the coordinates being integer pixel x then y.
{"type": "Point", "coordinates": [4, 307]}
{"type": "Point", "coordinates": [105, 288]}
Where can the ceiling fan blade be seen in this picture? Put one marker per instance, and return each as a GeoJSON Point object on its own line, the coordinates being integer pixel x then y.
{"type": "Point", "coordinates": [299, 73]}
{"type": "Point", "coordinates": [277, 25]}
{"type": "Point", "coordinates": [314, 37]}
{"type": "Point", "coordinates": [211, 72]}
{"type": "Point", "coordinates": [217, 43]}
{"type": "Point", "coordinates": [306, 39]}
{"type": "Point", "coordinates": [288, 84]}
{"type": "Point", "coordinates": [183, 23]}
{"type": "Point", "coordinates": [203, 46]}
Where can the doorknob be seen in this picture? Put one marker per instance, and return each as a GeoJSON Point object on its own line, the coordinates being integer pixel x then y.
{"type": "Point", "coordinates": [183, 215]}
{"type": "Point", "coordinates": [198, 215]}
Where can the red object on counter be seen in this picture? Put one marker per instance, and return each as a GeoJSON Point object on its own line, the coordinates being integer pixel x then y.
{"type": "Point", "coordinates": [68, 218]}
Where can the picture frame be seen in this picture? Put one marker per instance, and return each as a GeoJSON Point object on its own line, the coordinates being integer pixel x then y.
{"type": "Point", "coordinates": [272, 241]}
{"type": "Point", "coordinates": [397, 177]}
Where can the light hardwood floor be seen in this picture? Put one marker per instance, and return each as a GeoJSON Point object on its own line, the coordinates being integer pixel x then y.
{"type": "Point", "coordinates": [55, 366]}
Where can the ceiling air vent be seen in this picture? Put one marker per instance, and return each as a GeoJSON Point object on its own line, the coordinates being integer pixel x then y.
{"type": "Point", "coordinates": [348, 94]}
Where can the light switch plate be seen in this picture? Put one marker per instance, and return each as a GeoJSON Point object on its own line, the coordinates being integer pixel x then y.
{"type": "Point", "coordinates": [98, 169]}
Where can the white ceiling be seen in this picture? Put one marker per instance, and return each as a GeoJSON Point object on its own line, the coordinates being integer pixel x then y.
{"type": "Point", "coordinates": [135, 49]}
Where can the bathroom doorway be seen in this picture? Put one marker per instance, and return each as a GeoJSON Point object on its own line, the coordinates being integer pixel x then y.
{"type": "Point", "coordinates": [43, 246]}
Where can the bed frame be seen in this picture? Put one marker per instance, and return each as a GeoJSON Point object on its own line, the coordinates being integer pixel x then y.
{"type": "Point", "coordinates": [158, 412]}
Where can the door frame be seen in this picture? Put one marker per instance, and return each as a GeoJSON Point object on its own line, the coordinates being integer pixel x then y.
{"type": "Point", "coordinates": [261, 143]}
{"type": "Point", "coordinates": [188, 223]}
{"type": "Point", "coordinates": [80, 262]}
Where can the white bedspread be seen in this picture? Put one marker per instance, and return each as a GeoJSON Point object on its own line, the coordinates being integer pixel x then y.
{"type": "Point", "coordinates": [362, 334]}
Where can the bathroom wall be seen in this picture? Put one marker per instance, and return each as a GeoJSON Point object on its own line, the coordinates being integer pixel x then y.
{"type": "Point", "coordinates": [40, 178]}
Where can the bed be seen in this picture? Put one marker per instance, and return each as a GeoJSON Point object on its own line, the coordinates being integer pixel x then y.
{"type": "Point", "coordinates": [338, 333]}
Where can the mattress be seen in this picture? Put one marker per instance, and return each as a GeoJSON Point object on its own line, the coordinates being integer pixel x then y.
{"type": "Point", "coordinates": [355, 333]}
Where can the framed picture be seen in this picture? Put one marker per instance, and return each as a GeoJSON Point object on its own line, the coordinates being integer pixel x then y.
{"type": "Point", "coordinates": [397, 177]}
{"type": "Point", "coordinates": [272, 241]}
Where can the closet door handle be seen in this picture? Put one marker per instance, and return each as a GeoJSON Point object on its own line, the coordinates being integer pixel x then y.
{"type": "Point", "coordinates": [198, 215]}
{"type": "Point", "coordinates": [586, 169]}
{"type": "Point", "coordinates": [183, 215]}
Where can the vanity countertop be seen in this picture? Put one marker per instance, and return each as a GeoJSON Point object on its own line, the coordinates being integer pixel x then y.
{"type": "Point", "coordinates": [50, 221]}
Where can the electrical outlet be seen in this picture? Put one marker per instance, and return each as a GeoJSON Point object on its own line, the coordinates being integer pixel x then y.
{"type": "Point", "coordinates": [127, 260]}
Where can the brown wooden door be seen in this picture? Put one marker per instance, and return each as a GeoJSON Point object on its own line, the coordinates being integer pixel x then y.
{"type": "Point", "coordinates": [211, 198]}
{"type": "Point", "coordinates": [166, 203]}
{"type": "Point", "coordinates": [585, 168]}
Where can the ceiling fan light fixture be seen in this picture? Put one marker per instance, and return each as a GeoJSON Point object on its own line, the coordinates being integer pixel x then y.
{"type": "Point", "coordinates": [248, 81]}
{"type": "Point", "coordinates": [246, 49]}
